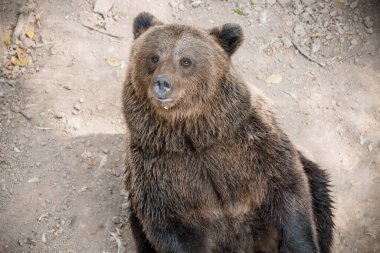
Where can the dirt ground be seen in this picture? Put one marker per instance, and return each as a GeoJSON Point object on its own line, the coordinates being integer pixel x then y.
{"type": "Point", "coordinates": [62, 131]}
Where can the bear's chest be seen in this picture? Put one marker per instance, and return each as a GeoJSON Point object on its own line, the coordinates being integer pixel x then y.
{"type": "Point", "coordinates": [216, 178]}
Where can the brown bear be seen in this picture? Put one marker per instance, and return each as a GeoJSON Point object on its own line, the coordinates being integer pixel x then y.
{"type": "Point", "coordinates": [208, 167]}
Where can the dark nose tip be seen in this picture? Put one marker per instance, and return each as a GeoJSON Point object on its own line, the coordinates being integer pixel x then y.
{"type": "Point", "coordinates": [161, 86]}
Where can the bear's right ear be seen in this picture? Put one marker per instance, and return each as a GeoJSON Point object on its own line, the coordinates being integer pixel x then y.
{"type": "Point", "coordinates": [229, 37]}
{"type": "Point", "coordinates": [142, 22]}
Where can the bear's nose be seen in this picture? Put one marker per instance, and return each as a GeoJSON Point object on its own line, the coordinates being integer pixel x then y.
{"type": "Point", "coordinates": [161, 86]}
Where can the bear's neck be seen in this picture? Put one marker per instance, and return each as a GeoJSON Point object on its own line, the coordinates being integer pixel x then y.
{"type": "Point", "coordinates": [220, 120]}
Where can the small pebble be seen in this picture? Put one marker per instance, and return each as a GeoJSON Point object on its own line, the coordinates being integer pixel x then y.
{"type": "Point", "coordinates": [125, 206]}
{"type": "Point", "coordinates": [354, 42]}
{"type": "Point", "coordinates": [43, 239]}
{"type": "Point", "coordinates": [77, 107]}
{"type": "Point", "coordinates": [196, 3]}
{"type": "Point", "coordinates": [354, 4]}
{"type": "Point", "coordinates": [60, 115]}
{"type": "Point", "coordinates": [367, 22]}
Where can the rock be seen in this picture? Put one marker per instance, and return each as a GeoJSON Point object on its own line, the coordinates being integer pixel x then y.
{"type": "Point", "coordinates": [315, 47]}
{"type": "Point", "coordinates": [341, 40]}
{"type": "Point", "coordinates": [329, 36]}
{"type": "Point", "coordinates": [34, 180]}
{"type": "Point", "coordinates": [300, 30]}
{"type": "Point", "coordinates": [286, 42]}
{"type": "Point", "coordinates": [270, 2]}
{"type": "Point", "coordinates": [103, 7]}
{"type": "Point", "coordinates": [67, 87]}
{"type": "Point", "coordinates": [370, 146]}
{"type": "Point", "coordinates": [28, 43]}
{"type": "Point", "coordinates": [307, 2]}
{"type": "Point", "coordinates": [263, 17]}
{"type": "Point", "coordinates": [173, 4]}
{"type": "Point", "coordinates": [340, 30]}
{"type": "Point", "coordinates": [181, 7]}
{"type": "Point", "coordinates": [43, 238]}
{"type": "Point", "coordinates": [2, 94]}
{"type": "Point", "coordinates": [354, 4]}
{"type": "Point", "coordinates": [20, 242]}
{"type": "Point", "coordinates": [81, 100]}
{"type": "Point", "coordinates": [116, 220]}
{"type": "Point", "coordinates": [60, 115]}
{"type": "Point", "coordinates": [369, 30]}
{"type": "Point", "coordinates": [367, 22]}
{"type": "Point", "coordinates": [125, 206]}
{"type": "Point", "coordinates": [354, 42]}
{"type": "Point", "coordinates": [17, 150]}
{"type": "Point", "coordinates": [333, 13]}
{"type": "Point", "coordinates": [196, 3]}
{"type": "Point", "coordinates": [246, 11]}
{"type": "Point", "coordinates": [77, 107]}
{"type": "Point", "coordinates": [361, 139]}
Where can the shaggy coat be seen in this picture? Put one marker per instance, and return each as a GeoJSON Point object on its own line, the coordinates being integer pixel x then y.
{"type": "Point", "coordinates": [213, 171]}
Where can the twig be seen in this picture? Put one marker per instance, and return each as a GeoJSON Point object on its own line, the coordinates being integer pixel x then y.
{"type": "Point", "coordinates": [44, 128]}
{"type": "Point", "coordinates": [120, 245]}
{"type": "Point", "coordinates": [341, 59]}
{"type": "Point", "coordinates": [307, 56]}
{"type": "Point", "coordinates": [103, 32]}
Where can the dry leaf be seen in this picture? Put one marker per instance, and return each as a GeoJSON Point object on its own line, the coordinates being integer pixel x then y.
{"type": "Point", "coordinates": [22, 58]}
{"type": "Point", "coordinates": [30, 32]}
{"type": "Point", "coordinates": [119, 231]}
{"type": "Point", "coordinates": [7, 40]}
{"type": "Point", "coordinates": [238, 11]}
{"type": "Point", "coordinates": [21, 52]}
{"type": "Point", "coordinates": [8, 65]}
{"type": "Point", "coordinates": [114, 62]}
{"type": "Point", "coordinates": [30, 241]}
{"type": "Point", "coordinates": [83, 189]}
{"type": "Point", "coordinates": [274, 79]}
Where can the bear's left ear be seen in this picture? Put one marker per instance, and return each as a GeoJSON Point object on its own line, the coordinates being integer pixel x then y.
{"type": "Point", "coordinates": [142, 22]}
{"type": "Point", "coordinates": [229, 36]}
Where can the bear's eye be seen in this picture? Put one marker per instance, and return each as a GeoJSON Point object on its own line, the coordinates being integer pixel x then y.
{"type": "Point", "coordinates": [154, 59]}
{"type": "Point", "coordinates": [185, 62]}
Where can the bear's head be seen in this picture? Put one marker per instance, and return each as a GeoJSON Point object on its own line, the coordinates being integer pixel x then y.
{"type": "Point", "coordinates": [178, 68]}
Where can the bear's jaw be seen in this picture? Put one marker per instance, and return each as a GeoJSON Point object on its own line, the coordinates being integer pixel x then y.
{"type": "Point", "coordinates": [163, 103]}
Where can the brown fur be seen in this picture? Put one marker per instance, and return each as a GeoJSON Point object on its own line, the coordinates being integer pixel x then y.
{"type": "Point", "coordinates": [214, 172]}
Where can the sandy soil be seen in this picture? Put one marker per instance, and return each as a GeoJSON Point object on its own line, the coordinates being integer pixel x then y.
{"type": "Point", "coordinates": [62, 131]}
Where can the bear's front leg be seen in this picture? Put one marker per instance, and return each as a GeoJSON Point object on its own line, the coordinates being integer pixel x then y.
{"type": "Point", "coordinates": [293, 218]}
{"type": "Point", "coordinates": [142, 243]}
{"type": "Point", "coordinates": [174, 236]}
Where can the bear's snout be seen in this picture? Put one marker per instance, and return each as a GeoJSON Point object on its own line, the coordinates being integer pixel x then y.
{"type": "Point", "coordinates": [161, 87]}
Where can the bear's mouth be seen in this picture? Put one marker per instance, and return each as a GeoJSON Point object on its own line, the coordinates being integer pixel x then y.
{"type": "Point", "coordinates": [165, 103]}
{"type": "Point", "coordinates": [165, 100]}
